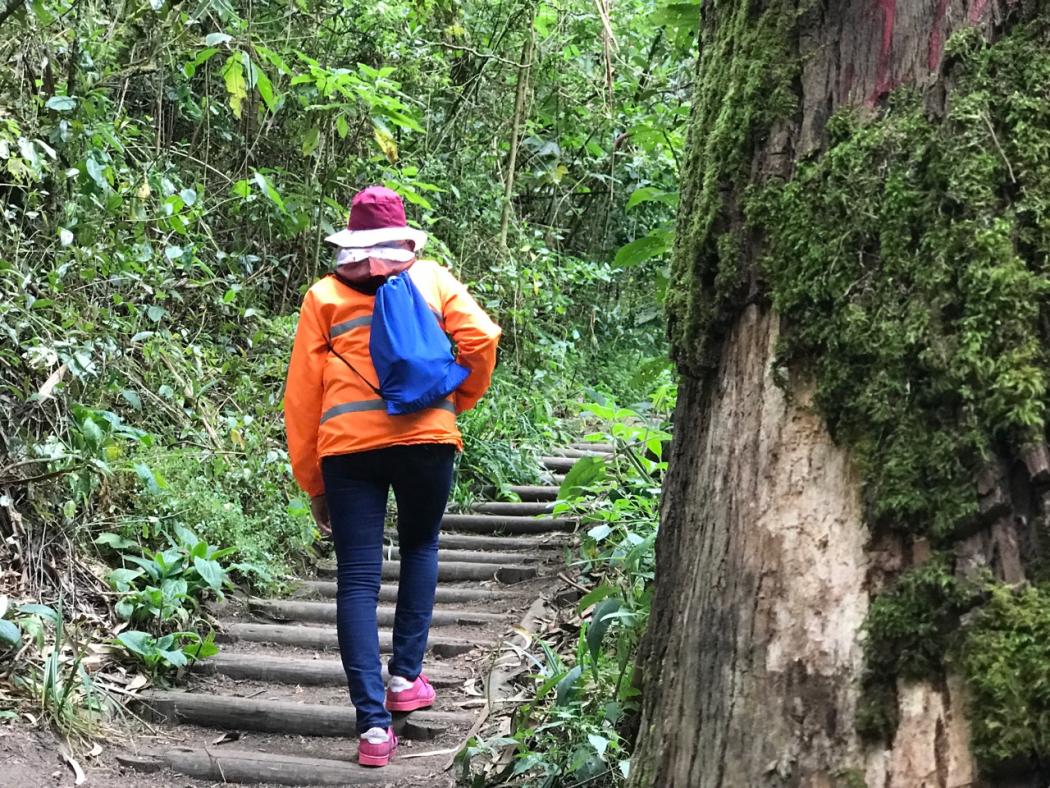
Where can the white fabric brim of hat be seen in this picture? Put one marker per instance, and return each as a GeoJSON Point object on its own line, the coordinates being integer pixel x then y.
{"type": "Point", "coordinates": [360, 239]}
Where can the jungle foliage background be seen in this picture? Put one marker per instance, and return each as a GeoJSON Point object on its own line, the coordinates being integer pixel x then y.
{"type": "Point", "coordinates": [168, 171]}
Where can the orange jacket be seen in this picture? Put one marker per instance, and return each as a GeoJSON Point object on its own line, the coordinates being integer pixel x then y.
{"type": "Point", "coordinates": [329, 410]}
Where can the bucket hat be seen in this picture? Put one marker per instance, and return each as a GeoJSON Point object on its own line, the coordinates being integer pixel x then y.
{"type": "Point", "coordinates": [377, 216]}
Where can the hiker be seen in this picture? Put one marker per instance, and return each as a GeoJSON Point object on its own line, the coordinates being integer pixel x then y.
{"type": "Point", "coordinates": [370, 403]}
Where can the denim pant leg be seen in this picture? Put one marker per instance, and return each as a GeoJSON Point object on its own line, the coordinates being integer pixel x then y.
{"type": "Point", "coordinates": [421, 486]}
{"type": "Point", "coordinates": [357, 507]}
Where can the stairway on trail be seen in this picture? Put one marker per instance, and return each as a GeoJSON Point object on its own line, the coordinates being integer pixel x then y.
{"type": "Point", "coordinates": [277, 690]}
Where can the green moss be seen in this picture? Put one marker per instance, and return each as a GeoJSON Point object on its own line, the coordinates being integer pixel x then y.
{"type": "Point", "coordinates": [910, 265]}
{"type": "Point", "coordinates": [1005, 659]}
{"type": "Point", "coordinates": [909, 629]}
{"type": "Point", "coordinates": [744, 84]}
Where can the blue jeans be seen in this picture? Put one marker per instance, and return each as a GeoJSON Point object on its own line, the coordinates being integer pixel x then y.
{"type": "Point", "coordinates": [356, 487]}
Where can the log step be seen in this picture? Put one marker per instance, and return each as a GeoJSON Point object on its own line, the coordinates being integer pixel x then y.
{"type": "Point", "coordinates": [472, 556]}
{"type": "Point", "coordinates": [452, 572]}
{"type": "Point", "coordinates": [522, 508]}
{"type": "Point", "coordinates": [558, 463]}
{"type": "Point", "coordinates": [496, 543]}
{"type": "Point", "coordinates": [535, 492]}
{"type": "Point", "coordinates": [489, 523]}
{"type": "Point", "coordinates": [282, 716]}
{"type": "Point", "coordinates": [577, 453]}
{"type": "Point", "coordinates": [324, 613]}
{"type": "Point", "coordinates": [388, 593]}
{"type": "Point", "coordinates": [606, 448]}
{"type": "Point", "coordinates": [223, 765]}
{"type": "Point", "coordinates": [303, 672]}
{"type": "Point", "coordinates": [325, 638]}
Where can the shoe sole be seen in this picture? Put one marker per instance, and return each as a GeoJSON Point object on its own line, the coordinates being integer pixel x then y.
{"type": "Point", "coordinates": [410, 705]}
{"type": "Point", "coordinates": [375, 760]}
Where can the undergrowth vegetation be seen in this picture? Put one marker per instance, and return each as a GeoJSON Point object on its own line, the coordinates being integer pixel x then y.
{"type": "Point", "coordinates": [576, 726]}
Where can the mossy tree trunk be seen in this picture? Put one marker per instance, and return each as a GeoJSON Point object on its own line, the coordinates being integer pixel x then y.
{"type": "Point", "coordinates": [835, 427]}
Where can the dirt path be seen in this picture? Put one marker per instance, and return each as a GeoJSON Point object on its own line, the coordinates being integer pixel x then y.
{"type": "Point", "coordinates": [276, 696]}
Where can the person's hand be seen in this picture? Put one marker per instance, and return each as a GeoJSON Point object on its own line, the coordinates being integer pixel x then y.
{"type": "Point", "coordinates": [319, 509]}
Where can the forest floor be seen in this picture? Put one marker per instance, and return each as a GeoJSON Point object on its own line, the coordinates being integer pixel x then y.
{"type": "Point", "coordinates": [272, 707]}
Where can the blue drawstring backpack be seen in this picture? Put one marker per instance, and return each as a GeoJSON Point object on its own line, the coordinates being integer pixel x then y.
{"type": "Point", "coordinates": [410, 352]}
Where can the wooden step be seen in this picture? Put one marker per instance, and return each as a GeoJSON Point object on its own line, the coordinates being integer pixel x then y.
{"type": "Point", "coordinates": [445, 594]}
{"type": "Point", "coordinates": [490, 523]}
{"type": "Point", "coordinates": [325, 613]}
{"type": "Point", "coordinates": [326, 638]}
{"type": "Point", "coordinates": [514, 508]}
{"type": "Point", "coordinates": [535, 492]}
{"type": "Point", "coordinates": [255, 767]}
{"type": "Point", "coordinates": [607, 448]}
{"type": "Point", "coordinates": [282, 716]}
{"type": "Point", "coordinates": [486, 556]}
{"type": "Point", "coordinates": [558, 463]}
{"type": "Point", "coordinates": [456, 572]}
{"type": "Point", "coordinates": [500, 543]}
{"type": "Point", "coordinates": [577, 453]}
{"type": "Point", "coordinates": [253, 666]}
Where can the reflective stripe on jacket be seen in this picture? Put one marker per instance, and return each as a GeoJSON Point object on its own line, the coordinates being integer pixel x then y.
{"type": "Point", "coordinates": [329, 410]}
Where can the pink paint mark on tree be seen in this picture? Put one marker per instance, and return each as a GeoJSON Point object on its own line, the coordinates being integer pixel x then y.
{"type": "Point", "coordinates": [883, 77]}
{"type": "Point", "coordinates": [933, 58]}
{"type": "Point", "coordinates": [976, 13]}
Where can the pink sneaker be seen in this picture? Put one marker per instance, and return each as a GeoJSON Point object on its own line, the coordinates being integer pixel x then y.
{"type": "Point", "coordinates": [420, 695]}
{"type": "Point", "coordinates": [376, 748]}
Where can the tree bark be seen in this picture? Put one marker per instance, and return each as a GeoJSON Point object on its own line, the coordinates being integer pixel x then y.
{"type": "Point", "coordinates": [751, 665]}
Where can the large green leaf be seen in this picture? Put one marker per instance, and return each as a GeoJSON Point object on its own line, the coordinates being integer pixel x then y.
{"type": "Point", "coordinates": [563, 692]}
{"type": "Point", "coordinates": [585, 471]}
{"type": "Point", "coordinates": [10, 634]}
{"type": "Point", "coordinates": [210, 572]}
{"type": "Point", "coordinates": [655, 244]}
{"type": "Point", "coordinates": [600, 625]}
{"type": "Point", "coordinates": [138, 643]}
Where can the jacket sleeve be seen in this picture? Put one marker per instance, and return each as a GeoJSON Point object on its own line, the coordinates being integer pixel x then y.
{"type": "Point", "coordinates": [476, 338]}
{"type": "Point", "coordinates": [304, 396]}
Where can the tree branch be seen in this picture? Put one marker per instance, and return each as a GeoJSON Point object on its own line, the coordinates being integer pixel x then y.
{"type": "Point", "coordinates": [10, 8]}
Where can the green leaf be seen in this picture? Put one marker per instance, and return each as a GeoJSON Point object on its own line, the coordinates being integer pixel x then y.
{"type": "Point", "coordinates": [216, 39]}
{"type": "Point", "coordinates": [650, 194]}
{"type": "Point", "coordinates": [211, 572]}
{"type": "Point", "coordinates": [242, 189]}
{"type": "Point", "coordinates": [116, 541]}
{"type": "Point", "coordinates": [596, 595]}
{"type": "Point", "coordinates": [10, 634]}
{"type": "Point", "coordinates": [599, 743]}
{"type": "Point", "coordinates": [313, 136]}
{"type": "Point", "coordinates": [202, 650]}
{"type": "Point", "coordinates": [131, 397]}
{"type": "Point", "coordinates": [655, 244]}
{"type": "Point", "coordinates": [268, 189]}
{"type": "Point", "coordinates": [190, 68]}
{"type": "Point", "coordinates": [45, 612]}
{"type": "Point", "coordinates": [145, 473]}
{"type": "Point", "coordinates": [236, 85]}
{"type": "Point", "coordinates": [97, 173]}
{"type": "Point", "coordinates": [600, 625]}
{"type": "Point", "coordinates": [563, 692]}
{"type": "Point", "coordinates": [265, 88]}
{"type": "Point", "coordinates": [61, 103]}
{"type": "Point", "coordinates": [599, 532]}
{"type": "Point", "coordinates": [585, 471]}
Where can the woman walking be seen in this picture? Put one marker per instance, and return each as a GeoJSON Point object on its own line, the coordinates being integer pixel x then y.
{"type": "Point", "coordinates": [347, 450]}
